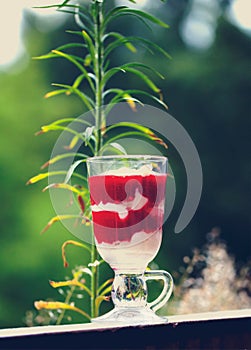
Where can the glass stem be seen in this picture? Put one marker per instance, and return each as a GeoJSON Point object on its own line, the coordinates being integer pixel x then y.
{"type": "Point", "coordinates": [129, 290]}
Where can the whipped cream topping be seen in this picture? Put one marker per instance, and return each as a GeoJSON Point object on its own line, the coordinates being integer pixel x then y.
{"type": "Point", "coordinates": [124, 171]}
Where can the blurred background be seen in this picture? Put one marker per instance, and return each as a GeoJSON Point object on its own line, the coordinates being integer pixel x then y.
{"type": "Point", "coordinates": [207, 89]}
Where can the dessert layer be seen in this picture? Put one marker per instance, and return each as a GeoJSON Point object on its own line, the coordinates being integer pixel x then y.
{"type": "Point", "coordinates": [123, 205]}
{"type": "Point", "coordinates": [131, 256]}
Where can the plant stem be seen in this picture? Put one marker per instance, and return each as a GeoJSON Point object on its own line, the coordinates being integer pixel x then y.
{"type": "Point", "coordinates": [67, 301]}
{"type": "Point", "coordinates": [99, 72]}
{"type": "Point", "coordinates": [100, 123]}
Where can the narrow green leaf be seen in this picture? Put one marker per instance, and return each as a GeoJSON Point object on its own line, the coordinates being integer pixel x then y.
{"type": "Point", "coordinates": [69, 120]}
{"type": "Point", "coordinates": [64, 4]}
{"type": "Point", "coordinates": [75, 32]}
{"type": "Point", "coordinates": [107, 290]}
{"type": "Point", "coordinates": [110, 15]}
{"type": "Point", "coordinates": [72, 169]}
{"type": "Point", "coordinates": [57, 305]}
{"type": "Point", "coordinates": [77, 64]}
{"type": "Point", "coordinates": [147, 16]}
{"type": "Point", "coordinates": [156, 47]}
{"type": "Point", "coordinates": [127, 68]}
{"type": "Point", "coordinates": [55, 93]}
{"type": "Point", "coordinates": [45, 57]}
{"type": "Point", "coordinates": [141, 131]}
{"type": "Point", "coordinates": [99, 300]}
{"type": "Point", "coordinates": [70, 45]}
{"type": "Point", "coordinates": [143, 77]}
{"type": "Point", "coordinates": [80, 16]}
{"type": "Point", "coordinates": [149, 44]}
{"type": "Point", "coordinates": [136, 126]}
{"type": "Point", "coordinates": [88, 134]}
{"type": "Point", "coordinates": [138, 64]}
{"type": "Point", "coordinates": [63, 186]}
{"type": "Point", "coordinates": [121, 40]}
{"type": "Point", "coordinates": [125, 135]}
{"type": "Point", "coordinates": [73, 143]}
{"type": "Point", "coordinates": [62, 156]}
{"type": "Point", "coordinates": [43, 176]}
{"type": "Point", "coordinates": [88, 60]}
{"type": "Point", "coordinates": [131, 101]}
{"type": "Point", "coordinates": [110, 73]}
{"type": "Point", "coordinates": [115, 147]}
{"type": "Point", "coordinates": [89, 43]}
{"type": "Point", "coordinates": [105, 284]}
{"type": "Point", "coordinates": [124, 10]}
{"type": "Point", "coordinates": [74, 282]}
{"type": "Point", "coordinates": [55, 127]}
{"type": "Point", "coordinates": [76, 244]}
{"type": "Point", "coordinates": [58, 218]}
{"type": "Point", "coordinates": [132, 92]}
{"type": "Point", "coordinates": [88, 102]}
{"type": "Point", "coordinates": [135, 134]}
{"type": "Point", "coordinates": [78, 81]}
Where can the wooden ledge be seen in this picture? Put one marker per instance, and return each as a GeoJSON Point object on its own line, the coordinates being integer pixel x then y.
{"type": "Point", "coordinates": [213, 330]}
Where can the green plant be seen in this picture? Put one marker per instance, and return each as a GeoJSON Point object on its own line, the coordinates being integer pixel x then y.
{"type": "Point", "coordinates": [93, 87]}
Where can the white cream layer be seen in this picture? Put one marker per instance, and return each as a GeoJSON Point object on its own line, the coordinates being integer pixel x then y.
{"type": "Point", "coordinates": [123, 207]}
{"type": "Point", "coordinates": [138, 237]}
{"type": "Point", "coordinates": [124, 171]}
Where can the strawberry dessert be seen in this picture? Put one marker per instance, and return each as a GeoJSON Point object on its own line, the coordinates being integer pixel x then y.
{"type": "Point", "coordinates": [127, 211]}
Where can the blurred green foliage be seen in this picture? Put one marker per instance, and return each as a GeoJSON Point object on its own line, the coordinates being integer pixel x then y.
{"type": "Point", "coordinates": [207, 91]}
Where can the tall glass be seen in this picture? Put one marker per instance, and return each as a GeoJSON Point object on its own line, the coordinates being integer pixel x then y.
{"type": "Point", "coordinates": [127, 201]}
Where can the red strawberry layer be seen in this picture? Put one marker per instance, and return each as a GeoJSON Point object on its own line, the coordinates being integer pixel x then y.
{"type": "Point", "coordinates": [141, 198]}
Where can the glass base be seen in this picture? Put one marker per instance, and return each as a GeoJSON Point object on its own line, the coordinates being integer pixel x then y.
{"type": "Point", "coordinates": [130, 316]}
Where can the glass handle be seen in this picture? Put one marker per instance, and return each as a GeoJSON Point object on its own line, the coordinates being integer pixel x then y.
{"type": "Point", "coordinates": [166, 292]}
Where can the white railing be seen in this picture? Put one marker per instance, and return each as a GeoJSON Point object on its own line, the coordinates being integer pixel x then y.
{"type": "Point", "coordinates": [214, 330]}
